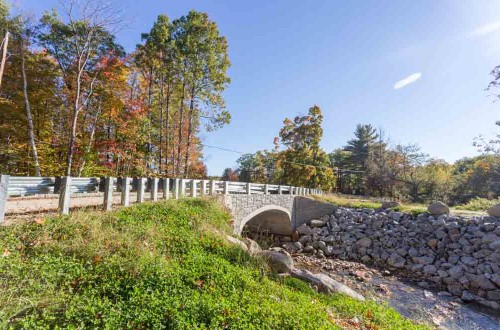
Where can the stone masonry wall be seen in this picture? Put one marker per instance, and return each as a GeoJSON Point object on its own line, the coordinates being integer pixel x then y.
{"type": "Point", "coordinates": [461, 255]}
{"type": "Point", "coordinates": [242, 206]}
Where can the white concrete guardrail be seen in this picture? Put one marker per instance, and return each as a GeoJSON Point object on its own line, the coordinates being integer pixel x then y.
{"type": "Point", "coordinates": [11, 186]}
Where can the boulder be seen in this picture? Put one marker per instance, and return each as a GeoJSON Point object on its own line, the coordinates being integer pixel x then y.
{"type": "Point", "coordinates": [325, 283]}
{"type": "Point", "coordinates": [237, 242]}
{"type": "Point", "coordinates": [494, 211]}
{"type": "Point", "coordinates": [279, 260]}
{"type": "Point", "coordinates": [438, 208]}
{"type": "Point", "coordinates": [253, 246]}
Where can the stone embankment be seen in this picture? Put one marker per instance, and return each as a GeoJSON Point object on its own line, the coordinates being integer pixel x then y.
{"type": "Point", "coordinates": [459, 255]}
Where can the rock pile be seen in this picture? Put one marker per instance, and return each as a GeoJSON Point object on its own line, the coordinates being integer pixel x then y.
{"type": "Point", "coordinates": [461, 255]}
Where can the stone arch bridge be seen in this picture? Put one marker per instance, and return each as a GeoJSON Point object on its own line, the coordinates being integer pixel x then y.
{"type": "Point", "coordinates": [278, 214]}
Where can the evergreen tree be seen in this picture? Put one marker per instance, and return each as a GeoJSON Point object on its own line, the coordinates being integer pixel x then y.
{"type": "Point", "coordinates": [365, 136]}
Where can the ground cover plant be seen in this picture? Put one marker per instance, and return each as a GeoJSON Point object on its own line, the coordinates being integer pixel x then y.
{"type": "Point", "coordinates": [157, 265]}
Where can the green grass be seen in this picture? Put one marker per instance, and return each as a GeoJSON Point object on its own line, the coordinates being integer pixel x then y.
{"type": "Point", "coordinates": [358, 202]}
{"type": "Point", "coordinates": [350, 201]}
{"type": "Point", "coordinates": [164, 265]}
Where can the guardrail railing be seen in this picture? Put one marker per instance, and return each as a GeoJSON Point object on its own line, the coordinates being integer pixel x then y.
{"type": "Point", "coordinates": [65, 187]}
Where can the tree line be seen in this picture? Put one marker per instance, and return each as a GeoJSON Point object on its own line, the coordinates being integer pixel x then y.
{"type": "Point", "coordinates": [73, 102]}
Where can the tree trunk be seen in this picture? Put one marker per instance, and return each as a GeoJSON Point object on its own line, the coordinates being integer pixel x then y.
{"type": "Point", "coordinates": [4, 55]}
{"type": "Point", "coordinates": [162, 87]}
{"type": "Point", "coordinates": [181, 119]}
{"type": "Point", "coordinates": [150, 105]}
{"type": "Point", "coordinates": [91, 141]}
{"type": "Point", "coordinates": [190, 133]}
{"type": "Point", "coordinates": [31, 132]}
{"type": "Point", "coordinates": [76, 111]}
{"type": "Point", "coordinates": [167, 115]}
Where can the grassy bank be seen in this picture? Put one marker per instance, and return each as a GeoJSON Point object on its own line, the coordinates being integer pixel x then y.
{"type": "Point", "coordinates": [365, 202]}
{"type": "Point", "coordinates": [163, 265]}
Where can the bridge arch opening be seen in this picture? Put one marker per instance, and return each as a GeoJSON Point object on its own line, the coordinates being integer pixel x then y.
{"type": "Point", "coordinates": [270, 219]}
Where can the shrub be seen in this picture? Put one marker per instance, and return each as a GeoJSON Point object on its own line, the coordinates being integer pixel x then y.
{"type": "Point", "coordinates": [478, 204]}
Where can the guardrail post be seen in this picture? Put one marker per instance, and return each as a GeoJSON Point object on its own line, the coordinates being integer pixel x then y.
{"type": "Point", "coordinates": [140, 190]}
{"type": "Point", "coordinates": [64, 195]}
{"type": "Point", "coordinates": [212, 187]}
{"type": "Point", "coordinates": [108, 193]}
{"type": "Point", "coordinates": [166, 188]}
{"type": "Point", "coordinates": [4, 187]}
{"type": "Point", "coordinates": [266, 189]}
{"type": "Point", "coordinates": [249, 188]}
{"type": "Point", "coordinates": [203, 187]}
{"type": "Point", "coordinates": [226, 187]}
{"type": "Point", "coordinates": [290, 190]}
{"type": "Point", "coordinates": [183, 187]}
{"type": "Point", "coordinates": [176, 188]}
{"type": "Point", "coordinates": [125, 191]}
{"type": "Point", "coordinates": [193, 188]}
{"type": "Point", "coordinates": [280, 192]}
{"type": "Point", "coordinates": [154, 189]}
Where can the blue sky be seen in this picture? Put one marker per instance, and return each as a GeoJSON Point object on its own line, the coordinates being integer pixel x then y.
{"type": "Point", "coordinates": [347, 57]}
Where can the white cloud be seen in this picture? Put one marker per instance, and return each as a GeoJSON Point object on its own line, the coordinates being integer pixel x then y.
{"type": "Point", "coordinates": [407, 80]}
{"type": "Point", "coordinates": [485, 29]}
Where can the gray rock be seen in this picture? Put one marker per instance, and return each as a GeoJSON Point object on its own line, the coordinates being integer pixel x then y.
{"type": "Point", "coordinates": [469, 261]}
{"type": "Point", "coordinates": [290, 247]}
{"type": "Point", "coordinates": [494, 211]}
{"type": "Point", "coordinates": [430, 269]}
{"type": "Point", "coordinates": [455, 289]}
{"type": "Point", "coordinates": [328, 239]}
{"type": "Point", "coordinates": [424, 260]}
{"type": "Point", "coordinates": [237, 242]}
{"type": "Point", "coordinates": [253, 246]}
{"type": "Point", "coordinates": [325, 283]}
{"type": "Point", "coordinates": [456, 272]}
{"type": "Point", "coordinates": [468, 296]}
{"type": "Point", "coordinates": [304, 230]}
{"type": "Point", "coordinates": [493, 295]}
{"type": "Point", "coordinates": [495, 245]}
{"type": "Point", "coordinates": [317, 223]}
{"type": "Point", "coordinates": [279, 261]}
{"type": "Point", "coordinates": [396, 216]}
{"type": "Point", "coordinates": [490, 238]}
{"type": "Point", "coordinates": [304, 239]}
{"type": "Point", "coordinates": [438, 208]}
{"type": "Point", "coordinates": [308, 249]}
{"type": "Point", "coordinates": [439, 223]}
{"type": "Point", "coordinates": [396, 261]}
{"type": "Point", "coordinates": [365, 242]}
{"type": "Point", "coordinates": [298, 245]}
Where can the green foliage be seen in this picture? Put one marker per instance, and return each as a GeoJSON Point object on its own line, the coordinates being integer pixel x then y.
{"type": "Point", "coordinates": [365, 137]}
{"type": "Point", "coordinates": [161, 265]}
{"type": "Point", "coordinates": [304, 163]}
{"type": "Point", "coordinates": [478, 204]}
